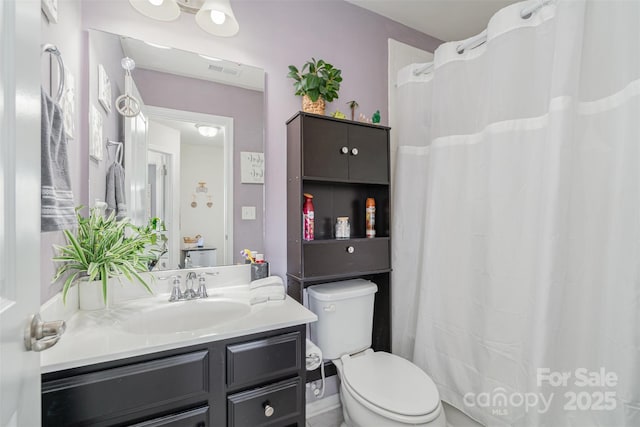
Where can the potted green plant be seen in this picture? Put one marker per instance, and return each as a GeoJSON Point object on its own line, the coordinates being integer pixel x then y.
{"type": "Point", "coordinates": [317, 82]}
{"type": "Point", "coordinates": [104, 248]}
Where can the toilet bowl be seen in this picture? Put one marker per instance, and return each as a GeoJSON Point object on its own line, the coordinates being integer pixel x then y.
{"type": "Point", "coordinates": [376, 388]}
{"type": "Point", "coordinates": [381, 389]}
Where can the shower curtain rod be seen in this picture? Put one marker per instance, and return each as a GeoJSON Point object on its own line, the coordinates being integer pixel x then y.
{"type": "Point", "coordinates": [480, 39]}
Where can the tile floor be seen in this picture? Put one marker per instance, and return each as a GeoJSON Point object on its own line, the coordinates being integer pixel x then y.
{"type": "Point", "coordinates": [332, 418]}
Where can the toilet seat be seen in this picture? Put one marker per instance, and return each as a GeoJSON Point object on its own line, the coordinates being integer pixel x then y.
{"type": "Point", "coordinates": [391, 386]}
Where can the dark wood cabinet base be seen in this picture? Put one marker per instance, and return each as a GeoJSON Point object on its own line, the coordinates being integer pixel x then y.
{"type": "Point", "coordinates": [222, 383]}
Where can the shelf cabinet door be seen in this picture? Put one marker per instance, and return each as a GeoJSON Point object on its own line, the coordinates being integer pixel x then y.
{"type": "Point", "coordinates": [369, 163]}
{"type": "Point", "coordinates": [323, 143]}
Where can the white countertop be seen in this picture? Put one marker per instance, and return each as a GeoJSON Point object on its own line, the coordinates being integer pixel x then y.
{"type": "Point", "coordinates": [99, 336]}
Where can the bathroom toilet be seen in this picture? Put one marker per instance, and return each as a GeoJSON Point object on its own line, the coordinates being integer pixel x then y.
{"type": "Point", "coordinates": [376, 388]}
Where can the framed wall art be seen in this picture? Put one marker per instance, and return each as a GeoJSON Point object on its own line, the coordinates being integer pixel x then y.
{"type": "Point", "coordinates": [104, 89]}
{"type": "Point", "coordinates": [95, 133]}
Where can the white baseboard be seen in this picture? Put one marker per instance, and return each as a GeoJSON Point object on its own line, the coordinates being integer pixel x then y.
{"type": "Point", "coordinates": [325, 404]}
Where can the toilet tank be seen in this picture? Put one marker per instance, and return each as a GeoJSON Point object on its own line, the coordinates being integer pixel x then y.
{"type": "Point", "coordinates": [345, 316]}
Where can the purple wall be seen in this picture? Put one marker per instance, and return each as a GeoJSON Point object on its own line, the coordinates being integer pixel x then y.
{"type": "Point", "coordinates": [273, 34]}
{"type": "Point", "coordinates": [107, 51]}
{"type": "Point", "coordinates": [247, 109]}
{"type": "Point", "coordinates": [67, 35]}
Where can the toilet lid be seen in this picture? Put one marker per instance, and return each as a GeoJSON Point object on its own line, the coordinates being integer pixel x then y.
{"type": "Point", "coordinates": [392, 383]}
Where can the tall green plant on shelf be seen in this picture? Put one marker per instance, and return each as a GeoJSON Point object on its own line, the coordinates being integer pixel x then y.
{"type": "Point", "coordinates": [105, 247]}
{"type": "Point", "coordinates": [317, 78]}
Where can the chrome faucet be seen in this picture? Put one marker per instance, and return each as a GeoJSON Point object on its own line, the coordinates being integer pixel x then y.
{"type": "Point", "coordinates": [202, 286]}
{"type": "Point", "coordinates": [176, 293]}
{"type": "Point", "coordinates": [189, 293]}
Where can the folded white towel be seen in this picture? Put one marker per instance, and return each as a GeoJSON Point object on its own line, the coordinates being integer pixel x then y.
{"type": "Point", "coordinates": [268, 289]}
{"type": "Point", "coordinates": [267, 281]}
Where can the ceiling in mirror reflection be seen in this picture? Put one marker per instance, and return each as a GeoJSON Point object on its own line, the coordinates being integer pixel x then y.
{"type": "Point", "coordinates": [189, 64]}
{"type": "Point", "coordinates": [189, 132]}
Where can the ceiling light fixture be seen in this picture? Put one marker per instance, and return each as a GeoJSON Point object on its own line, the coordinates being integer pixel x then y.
{"type": "Point", "coordinates": [213, 16]}
{"type": "Point", "coordinates": [208, 131]}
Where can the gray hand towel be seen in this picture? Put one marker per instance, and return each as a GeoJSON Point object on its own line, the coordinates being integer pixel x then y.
{"type": "Point", "coordinates": [116, 196]}
{"type": "Point", "coordinates": [57, 206]}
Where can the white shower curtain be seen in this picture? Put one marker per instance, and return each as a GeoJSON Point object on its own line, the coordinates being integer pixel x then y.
{"type": "Point", "coordinates": [516, 228]}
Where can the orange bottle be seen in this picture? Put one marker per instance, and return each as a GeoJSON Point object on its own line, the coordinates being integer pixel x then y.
{"type": "Point", "coordinates": [371, 217]}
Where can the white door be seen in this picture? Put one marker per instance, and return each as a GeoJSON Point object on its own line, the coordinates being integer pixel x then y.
{"type": "Point", "coordinates": [19, 213]}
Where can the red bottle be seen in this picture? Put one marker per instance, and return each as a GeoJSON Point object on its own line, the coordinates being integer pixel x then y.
{"type": "Point", "coordinates": [307, 217]}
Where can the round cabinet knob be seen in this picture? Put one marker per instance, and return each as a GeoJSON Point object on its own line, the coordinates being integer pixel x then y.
{"type": "Point", "coordinates": [354, 151]}
{"type": "Point", "coordinates": [351, 249]}
{"type": "Point", "coordinates": [344, 150]}
{"type": "Point", "coordinates": [268, 410]}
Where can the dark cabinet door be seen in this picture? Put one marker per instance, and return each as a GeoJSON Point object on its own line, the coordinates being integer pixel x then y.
{"type": "Point", "coordinates": [368, 148]}
{"type": "Point", "coordinates": [325, 149]}
{"type": "Point", "coordinates": [198, 417]}
{"type": "Point", "coordinates": [126, 392]}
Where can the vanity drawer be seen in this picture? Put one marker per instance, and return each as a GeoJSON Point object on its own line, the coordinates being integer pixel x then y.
{"type": "Point", "coordinates": [329, 257]}
{"type": "Point", "coordinates": [276, 404]}
{"type": "Point", "coordinates": [265, 359]}
{"type": "Point", "coordinates": [127, 392]}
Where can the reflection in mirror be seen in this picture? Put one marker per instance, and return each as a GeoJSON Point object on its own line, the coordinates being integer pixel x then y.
{"type": "Point", "coordinates": [182, 154]}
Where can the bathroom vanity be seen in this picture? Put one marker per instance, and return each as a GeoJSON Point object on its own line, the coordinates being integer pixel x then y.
{"type": "Point", "coordinates": [111, 369]}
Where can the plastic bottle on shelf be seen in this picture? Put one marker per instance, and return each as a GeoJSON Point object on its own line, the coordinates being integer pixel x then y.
{"type": "Point", "coordinates": [371, 217]}
{"type": "Point", "coordinates": [307, 217]}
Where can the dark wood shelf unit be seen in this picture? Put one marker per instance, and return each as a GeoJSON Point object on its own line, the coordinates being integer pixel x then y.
{"type": "Point", "coordinates": [342, 163]}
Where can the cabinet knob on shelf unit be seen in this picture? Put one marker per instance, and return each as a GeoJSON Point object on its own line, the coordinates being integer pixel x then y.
{"type": "Point", "coordinates": [351, 249]}
{"type": "Point", "coordinates": [354, 151]}
{"type": "Point", "coordinates": [344, 150]}
{"type": "Point", "coordinates": [268, 409]}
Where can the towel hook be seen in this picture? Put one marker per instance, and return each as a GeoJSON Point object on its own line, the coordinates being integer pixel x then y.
{"type": "Point", "coordinates": [53, 50]}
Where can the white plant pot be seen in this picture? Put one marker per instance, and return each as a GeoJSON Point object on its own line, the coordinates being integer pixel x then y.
{"type": "Point", "coordinates": [90, 295]}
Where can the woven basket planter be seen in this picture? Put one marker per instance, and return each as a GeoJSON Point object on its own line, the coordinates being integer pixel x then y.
{"type": "Point", "coordinates": [308, 106]}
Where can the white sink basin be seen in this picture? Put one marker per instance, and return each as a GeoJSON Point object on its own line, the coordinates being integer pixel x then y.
{"type": "Point", "coordinates": [185, 316]}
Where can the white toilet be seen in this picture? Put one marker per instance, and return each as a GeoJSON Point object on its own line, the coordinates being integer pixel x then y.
{"type": "Point", "coordinates": [377, 388]}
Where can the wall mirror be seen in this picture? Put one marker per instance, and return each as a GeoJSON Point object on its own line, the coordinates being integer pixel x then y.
{"type": "Point", "coordinates": [192, 157]}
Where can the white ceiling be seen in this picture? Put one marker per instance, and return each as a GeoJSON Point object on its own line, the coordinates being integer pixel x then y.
{"type": "Point", "coordinates": [189, 133]}
{"type": "Point", "coordinates": [446, 20]}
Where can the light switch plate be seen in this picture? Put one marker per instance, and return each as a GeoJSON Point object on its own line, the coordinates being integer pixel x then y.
{"type": "Point", "coordinates": [248, 212]}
